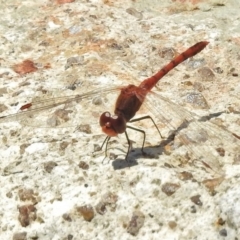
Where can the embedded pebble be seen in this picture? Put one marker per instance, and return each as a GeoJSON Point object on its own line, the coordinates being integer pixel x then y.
{"type": "Point", "coordinates": [170, 188]}
{"type": "Point", "coordinates": [196, 100]}
{"type": "Point", "coordinates": [167, 53]}
{"type": "Point", "coordinates": [27, 214]}
{"type": "Point", "coordinates": [87, 212]}
{"type": "Point", "coordinates": [136, 223]}
{"type": "Point", "coordinates": [101, 208]}
{"type": "Point", "coordinates": [185, 175]}
{"type": "Point", "coordinates": [97, 101]}
{"type": "Point", "coordinates": [83, 165]}
{"type": "Point", "coordinates": [63, 145]}
{"type": "Point", "coordinates": [221, 151]}
{"type": "Point", "coordinates": [172, 224]}
{"type": "Point", "coordinates": [85, 128]}
{"type": "Point", "coordinates": [27, 194]}
{"type": "Point", "coordinates": [109, 199]}
{"type": "Point", "coordinates": [27, 66]}
{"type": "Point", "coordinates": [211, 184]}
{"type": "Point", "coordinates": [218, 70]}
{"type": "Point", "coordinates": [193, 209]}
{"type": "Point", "coordinates": [23, 147]}
{"type": "Point", "coordinates": [236, 160]}
{"type": "Point", "coordinates": [195, 63]}
{"type": "Point", "coordinates": [134, 12]}
{"type": "Point", "coordinates": [20, 236]}
{"type": "Point", "coordinates": [9, 194]}
{"type": "Point", "coordinates": [69, 237]}
{"type": "Point", "coordinates": [73, 61]}
{"type": "Point", "coordinates": [221, 222]}
{"type": "Point", "coordinates": [3, 107]}
{"type": "Point", "coordinates": [206, 74]}
{"type": "Point", "coordinates": [223, 232]}
{"type": "Point", "coordinates": [67, 217]}
{"type": "Point", "coordinates": [196, 199]}
{"type": "Point", "coordinates": [49, 166]}
{"type": "Point", "coordinates": [198, 86]}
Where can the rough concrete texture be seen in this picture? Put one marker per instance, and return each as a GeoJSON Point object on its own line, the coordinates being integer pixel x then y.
{"type": "Point", "coordinates": [54, 182]}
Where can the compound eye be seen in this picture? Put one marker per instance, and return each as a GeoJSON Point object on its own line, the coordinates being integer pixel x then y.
{"type": "Point", "coordinates": [104, 118]}
{"type": "Point", "coordinates": [118, 123]}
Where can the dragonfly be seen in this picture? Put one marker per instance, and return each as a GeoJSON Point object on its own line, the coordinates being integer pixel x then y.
{"type": "Point", "coordinates": [203, 139]}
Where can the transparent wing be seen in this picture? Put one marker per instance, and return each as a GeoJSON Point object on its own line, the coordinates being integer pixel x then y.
{"type": "Point", "coordinates": [205, 142]}
{"type": "Point", "coordinates": [66, 111]}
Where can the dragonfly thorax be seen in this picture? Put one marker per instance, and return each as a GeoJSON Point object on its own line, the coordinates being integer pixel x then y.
{"type": "Point", "coordinates": [112, 125]}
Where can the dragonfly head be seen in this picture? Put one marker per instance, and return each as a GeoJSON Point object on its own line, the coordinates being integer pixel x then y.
{"type": "Point", "coordinates": [112, 125]}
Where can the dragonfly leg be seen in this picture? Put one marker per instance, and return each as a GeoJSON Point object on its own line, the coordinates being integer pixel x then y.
{"type": "Point", "coordinates": [147, 117]}
{"type": "Point", "coordinates": [106, 140]}
{"type": "Point", "coordinates": [129, 144]}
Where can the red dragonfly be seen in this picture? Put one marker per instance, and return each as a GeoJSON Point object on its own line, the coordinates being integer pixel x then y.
{"type": "Point", "coordinates": [203, 139]}
{"type": "Point", "coordinates": [131, 98]}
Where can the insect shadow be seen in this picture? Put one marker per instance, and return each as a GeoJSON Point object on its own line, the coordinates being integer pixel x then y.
{"type": "Point", "coordinates": [155, 151]}
{"type": "Point", "coordinates": [149, 152]}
